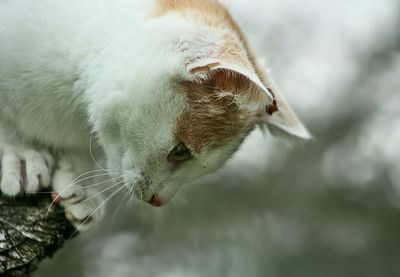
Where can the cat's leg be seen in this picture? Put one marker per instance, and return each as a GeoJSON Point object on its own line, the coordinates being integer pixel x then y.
{"type": "Point", "coordinates": [23, 167]}
{"type": "Point", "coordinates": [78, 191]}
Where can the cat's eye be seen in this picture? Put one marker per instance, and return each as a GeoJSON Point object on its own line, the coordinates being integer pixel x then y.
{"type": "Point", "coordinates": [179, 154]}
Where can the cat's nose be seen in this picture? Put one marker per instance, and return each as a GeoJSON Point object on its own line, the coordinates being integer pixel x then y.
{"type": "Point", "coordinates": [156, 201]}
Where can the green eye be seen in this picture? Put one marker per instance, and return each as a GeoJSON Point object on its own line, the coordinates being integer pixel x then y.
{"type": "Point", "coordinates": [179, 154]}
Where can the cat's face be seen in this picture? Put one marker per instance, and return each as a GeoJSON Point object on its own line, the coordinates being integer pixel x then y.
{"type": "Point", "coordinates": [182, 129]}
{"type": "Point", "coordinates": [187, 112]}
{"type": "Point", "coordinates": [176, 132]}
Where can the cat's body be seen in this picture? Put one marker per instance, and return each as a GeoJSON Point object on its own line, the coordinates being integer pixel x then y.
{"type": "Point", "coordinates": [51, 46]}
{"type": "Point", "coordinates": [168, 88]}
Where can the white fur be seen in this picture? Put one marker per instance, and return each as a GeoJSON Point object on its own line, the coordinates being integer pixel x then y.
{"type": "Point", "coordinates": [72, 68]}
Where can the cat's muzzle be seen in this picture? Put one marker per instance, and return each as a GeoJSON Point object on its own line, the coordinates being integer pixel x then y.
{"type": "Point", "coordinates": [144, 190]}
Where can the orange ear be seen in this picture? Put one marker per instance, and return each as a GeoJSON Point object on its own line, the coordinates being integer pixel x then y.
{"type": "Point", "coordinates": [275, 111]}
{"type": "Point", "coordinates": [239, 81]}
{"type": "Point", "coordinates": [206, 66]}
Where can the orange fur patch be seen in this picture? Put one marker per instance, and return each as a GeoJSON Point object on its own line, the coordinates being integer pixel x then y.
{"type": "Point", "coordinates": [214, 116]}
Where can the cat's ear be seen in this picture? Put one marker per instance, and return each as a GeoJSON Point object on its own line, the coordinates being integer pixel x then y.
{"type": "Point", "coordinates": [204, 67]}
{"type": "Point", "coordinates": [275, 112]}
{"type": "Point", "coordinates": [283, 122]}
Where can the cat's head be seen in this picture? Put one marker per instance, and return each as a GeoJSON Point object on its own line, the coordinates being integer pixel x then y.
{"type": "Point", "coordinates": [188, 112]}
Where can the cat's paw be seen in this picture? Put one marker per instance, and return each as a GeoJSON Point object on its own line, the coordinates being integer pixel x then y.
{"type": "Point", "coordinates": [84, 213]}
{"type": "Point", "coordinates": [24, 170]}
{"type": "Point", "coordinates": [83, 205]}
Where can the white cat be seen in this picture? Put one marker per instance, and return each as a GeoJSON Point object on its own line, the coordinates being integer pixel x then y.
{"type": "Point", "coordinates": [168, 88]}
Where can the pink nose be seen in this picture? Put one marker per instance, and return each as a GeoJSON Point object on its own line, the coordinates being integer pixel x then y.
{"type": "Point", "coordinates": [155, 201]}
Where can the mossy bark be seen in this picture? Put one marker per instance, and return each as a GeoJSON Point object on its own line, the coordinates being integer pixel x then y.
{"type": "Point", "coordinates": [29, 233]}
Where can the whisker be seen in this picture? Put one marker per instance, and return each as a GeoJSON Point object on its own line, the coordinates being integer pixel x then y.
{"type": "Point", "coordinates": [101, 183]}
{"type": "Point", "coordinates": [87, 172]}
{"type": "Point", "coordinates": [93, 171]}
{"type": "Point", "coordinates": [41, 192]}
{"type": "Point", "coordinates": [141, 194]}
{"type": "Point", "coordinates": [154, 192]}
{"type": "Point", "coordinates": [73, 183]}
{"type": "Point", "coordinates": [121, 204]}
{"type": "Point", "coordinates": [101, 205]}
{"type": "Point", "coordinates": [131, 189]}
{"type": "Point", "coordinates": [100, 192]}
{"type": "Point", "coordinates": [91, 152]}
{"type": "Point", "coordinates": [77, 180]}
{"type": "Point", "coordinates": [77, 188]}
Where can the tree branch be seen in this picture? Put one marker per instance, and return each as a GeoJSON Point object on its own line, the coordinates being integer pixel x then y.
{"type": "Point", "coordinates": [28, 233]}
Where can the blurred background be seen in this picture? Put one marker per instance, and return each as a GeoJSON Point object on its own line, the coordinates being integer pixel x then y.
{"type": "Point", "coordinates": [328, 208]}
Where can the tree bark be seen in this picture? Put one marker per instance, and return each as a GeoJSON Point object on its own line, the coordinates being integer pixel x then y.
{"type": "Point", "coordinates": [29, 233]}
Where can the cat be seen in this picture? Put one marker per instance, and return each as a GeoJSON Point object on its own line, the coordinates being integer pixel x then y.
{"type": "Point", "coordinates": [165, 90]}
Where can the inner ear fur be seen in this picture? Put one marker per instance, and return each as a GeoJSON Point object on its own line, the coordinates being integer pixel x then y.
{"type": "Point", "coordinates": [248, 93]}
{"type": "Point", "coordinates": [222, 82]}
